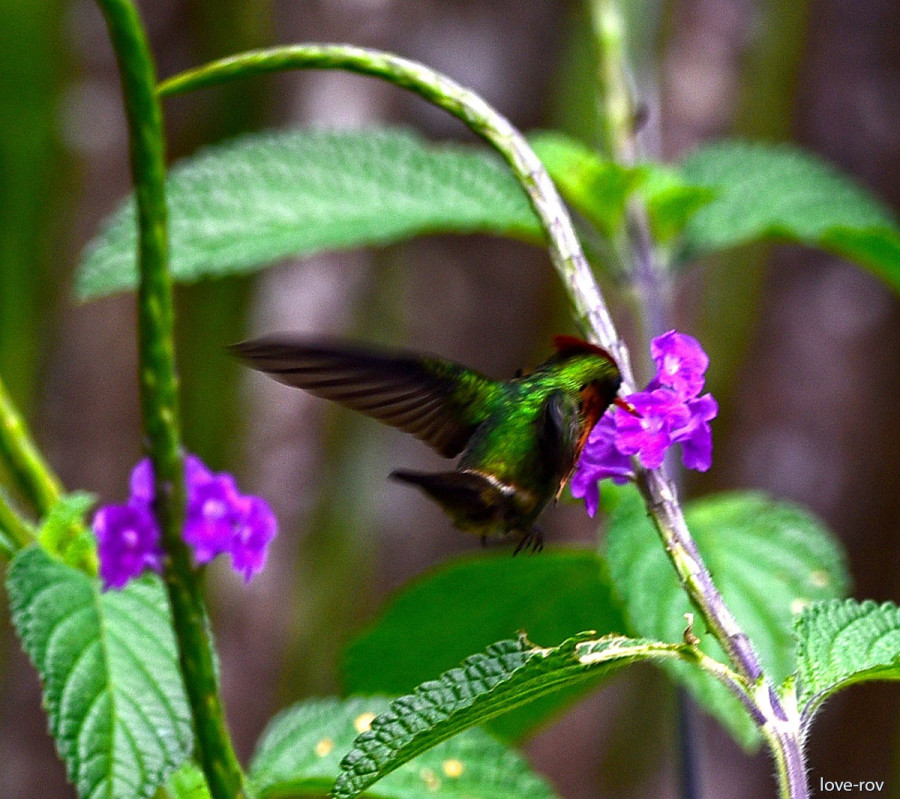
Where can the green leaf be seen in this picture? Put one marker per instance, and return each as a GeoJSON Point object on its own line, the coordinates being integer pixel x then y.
{"type": "Point", "coordinates": [599, 188]}
{"type": "Point", "coordinates": [840, 643]}
{"type": "Point", "coordinates": [769, 559]}
{"type": "Point", "coordinates": [671, 201]}
{"type": "Point", "coordinates": [242, 205]}
{"type": "Point", "coordinates": [108, 665]}
{"type": "Point", "coordinates": [64, 534]}
{"type": "Point", "coordinates": [301, 750]}
{"type": "Point", "coordinates": [467, 604]}
{"type": "Point", "coordinates": [506, 675]}
{"type": "Point", "coordinates": [187, 782]}
{"type": "Point", "coordinates": [595, 186]}
{"type": "Point", "coordinates": [779, 192]}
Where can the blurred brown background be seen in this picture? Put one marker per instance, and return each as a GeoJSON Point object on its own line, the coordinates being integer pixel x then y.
{"type": "Point", "coordinates": [805, 348]}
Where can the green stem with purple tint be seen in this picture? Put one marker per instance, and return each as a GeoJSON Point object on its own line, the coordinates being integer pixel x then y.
{"type": "Point", "coordinates": [781, 729]}
{"type": "Point", "coordinates": [159, 398]}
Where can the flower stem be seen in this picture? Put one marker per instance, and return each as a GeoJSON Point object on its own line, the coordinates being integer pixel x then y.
{"type": "Point", "coordinates": [28, 467]}
{"type": "Point", "coordinates": [618, 111]}
{"type": "Point", "coordinates": [651, 288]}
{"type": "Point", "coordinates": [614, 98]}
{"type": "Point", "coordinates": [159, 397]}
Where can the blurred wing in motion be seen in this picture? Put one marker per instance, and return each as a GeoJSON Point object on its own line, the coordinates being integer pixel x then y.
{"type": "Point", "coordinates": [438, 401]}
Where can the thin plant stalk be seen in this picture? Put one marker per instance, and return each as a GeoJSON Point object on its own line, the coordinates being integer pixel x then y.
{"type": "Point", "coordinates": [651, 283]}
{"type": "Point", "coordinates": [16, 533]}
{"type": "Point", "coordinates": [617, 111]}
{"type": "Point", "coordinates": [26, 464]}
{"type": "Point", "coordinates": [8, 547]}
{"type": "Point", "coordinates": [159, 398]}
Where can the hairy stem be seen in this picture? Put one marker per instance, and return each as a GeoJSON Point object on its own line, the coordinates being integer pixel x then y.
{"type": "Point", "coordinates": [651, 283]}
{"type": "Point", "coordinates": [159, 397]}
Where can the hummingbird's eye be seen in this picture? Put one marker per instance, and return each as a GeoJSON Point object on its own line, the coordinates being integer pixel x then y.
{"type": "Point", "coordinates": [583, 387]}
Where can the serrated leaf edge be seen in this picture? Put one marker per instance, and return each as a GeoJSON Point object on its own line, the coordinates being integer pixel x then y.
{"type": "Point", "coordinates": [850, 612]}
{"type": "Point", "coordinates": [69, 745]}
{"type": "Point", "coordinates": [360, 767]}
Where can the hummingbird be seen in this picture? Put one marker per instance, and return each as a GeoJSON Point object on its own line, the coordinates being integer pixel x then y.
{"type": "Point", "coordinates": [519, 439]}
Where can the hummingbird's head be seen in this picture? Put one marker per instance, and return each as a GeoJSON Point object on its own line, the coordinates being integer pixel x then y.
{"type": "Point", "coordinates": [587, 369]}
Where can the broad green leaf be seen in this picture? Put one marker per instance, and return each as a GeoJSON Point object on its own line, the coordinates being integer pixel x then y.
{"type": "Point", "coordinates": [63, 532]}
{"type": "Point", "coordinates": [467, 604]}
{"type": "Point", "coordinates": [300, 754]}
{"type": "Point", "coordinates": [239, 206]}
{"type": "Point", "coordinates": [597, 187]}
{"type": "Point", "coordinates": [779, 192]}
{"type": "Point", "coordinates": [769, 559]}
{"type": "Point", "coordinates": [671, 201]}
{"type": "Point", "coordinates": [506, 675]}
{"type": "Point", "coordinates": [840, 643]}
{"type": "Point", "coordinates": [108, 665]}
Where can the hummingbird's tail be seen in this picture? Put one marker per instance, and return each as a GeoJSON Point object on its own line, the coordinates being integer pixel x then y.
{"type": "Point", "coordinates": [473, 501]}
{"type": "Point", "coordinates": [477, 503]}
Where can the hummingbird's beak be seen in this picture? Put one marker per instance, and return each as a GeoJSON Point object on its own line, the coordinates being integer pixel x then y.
{"type": "Point", "coordinates": [626, 406]}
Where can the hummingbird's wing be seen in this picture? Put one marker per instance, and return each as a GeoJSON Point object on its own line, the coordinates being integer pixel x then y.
{"type": "Point", "coordinates": [559, 429]}
{"type": "Point", "coordinates": [438, 401]}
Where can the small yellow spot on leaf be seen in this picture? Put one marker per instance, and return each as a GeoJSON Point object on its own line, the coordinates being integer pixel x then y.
{"type": "Point", "coordinates": [799, 604]}
{"type": "Point", "coordinates": [820, 578]}
{"type": "Point", "coordinates": [430, 779]}
{"type": "Point", "coordinates": [324, 747]}
{"type": "Point", "coordinates": [363, 721]}
{"type": "Point", "coordinates": [453, 768]}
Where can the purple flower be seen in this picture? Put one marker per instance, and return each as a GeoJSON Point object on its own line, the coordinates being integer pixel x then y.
{"type": "Point", "coordinates": [680, 363]}
{"type": "Point", "coordinates": [218, 519]}
{"type": "Point", "coordinates": [668, 412]}
{"type": "Point", "coordinates": [127, 543]}
{"type": "Point", "coordinates": [649, 434]}
{"type": "Point", "coordinates": [255, 527]}
{"type": "Point", "coordinates": [600, 459]}
{"type": "Point", "coordinates": [210, 519]}
{"type": "Point", "coordinates": [696, 436]}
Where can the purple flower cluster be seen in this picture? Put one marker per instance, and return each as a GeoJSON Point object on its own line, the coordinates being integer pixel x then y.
{"type": "Point", "coordinates": [669, 411]}
{"type": "Point", "coordinates": [218, 519]}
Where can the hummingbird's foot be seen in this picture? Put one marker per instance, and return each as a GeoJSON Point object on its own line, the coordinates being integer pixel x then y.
{"type": "Point", "coordinates": [533, 540]}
